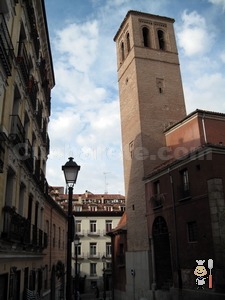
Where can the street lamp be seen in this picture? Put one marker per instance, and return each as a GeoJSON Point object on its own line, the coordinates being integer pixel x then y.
{"type": "Point", "coordinates": [70, 170]}
{"type": "Point", "coordinates": [104, 279]}
{"type": "Point", "coordinates": [76, 244]}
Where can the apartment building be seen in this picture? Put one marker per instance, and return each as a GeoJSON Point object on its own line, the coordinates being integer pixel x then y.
{"type": "Point", "coordinates": [27, 213]}
{"type": "Point", "coordinates": [95, 216]}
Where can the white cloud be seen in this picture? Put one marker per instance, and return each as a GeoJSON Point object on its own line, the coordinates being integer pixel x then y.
{"type": "Point", "coordinates": [218, 2]}
{"type": "Point", "coordinates": [78, 44]}
{"type": "Point", "coordinates": [206, 92]}
{"type": "Point", "coordinates": [222, 56]}
{"type": "Point", "coordinates": [193, 35]}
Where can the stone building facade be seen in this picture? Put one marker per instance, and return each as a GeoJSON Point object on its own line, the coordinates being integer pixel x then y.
{"type": "Point", "coordinates": [27, 213]}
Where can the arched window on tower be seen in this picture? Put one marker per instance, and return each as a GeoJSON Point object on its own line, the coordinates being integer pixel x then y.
{"type": "Point", "coordinates": [161, 39]}
{"type": "Point", "coordinates": [145, 33]}
{"type": "Point", "coordinates": [128, 42]}
{"type": "Point", "coordinates": [122, 51]}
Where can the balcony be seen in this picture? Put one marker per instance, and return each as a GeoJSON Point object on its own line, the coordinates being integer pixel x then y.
{"type": "Point", "coordinates": [32, 89]}
{"type": "Point", "coordinates": [37, 170]}
{"type": "Point", "coordinates": [157, 200]}
{"type": "Point", "coordinates": [93, 233]}
{"type": "Point", "coordinates": [184, 192]}
{"type": "Point", "coordinates": [23, 63]}
{"type": "Point", "coordinates": [6, 47]}
{"type": "Point", "coordinates": [39, 238]}
{"type": "Point", "coordinates": [33, 26]}
{"type": "Point", "coordinates": [29, 159]}
{"type": "Point", "coordinates": [17, 134]}
{"type": "Point", "coordinates": [93, 255]}
{"type": "Point", "coordinates": [43, 183]}
{"type": "Point", "coordinates": [16, 228]}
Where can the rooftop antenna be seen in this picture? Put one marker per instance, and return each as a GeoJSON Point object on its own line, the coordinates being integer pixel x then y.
{"type": "Point", "coordinates": [106, 183]}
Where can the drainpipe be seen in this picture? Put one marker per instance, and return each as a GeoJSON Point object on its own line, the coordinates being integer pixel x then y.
{"type": "Point", "coordinates": [176, 239]}
{"type": "Point", "coordinates": [153, 267]}
{"type": "Point", "coordinates": [203, 127]}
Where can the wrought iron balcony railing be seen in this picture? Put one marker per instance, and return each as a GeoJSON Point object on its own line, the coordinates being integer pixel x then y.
{"type": "Point", "coordinates": [23, 62]}
{"type": "Point", "coordinates": [17, 133]}
{"type": "Point", "coordinates": [184, 191]}
{"type": "Point", "coordinates": [29, 157]}
{"type": "Point", "coordinates": [32, 89]}
{"type": "Point", "coordinates": [18, 229]}
{"type": "Point", "coordinates": [33, 26]}
{"type": "Point", "coordinates": [6, 47]}
{"type": "Point", "coordinates": [157, 200]}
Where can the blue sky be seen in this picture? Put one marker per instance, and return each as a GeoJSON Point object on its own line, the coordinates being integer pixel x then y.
{"type": "Point", "coordinates": [85, 117]}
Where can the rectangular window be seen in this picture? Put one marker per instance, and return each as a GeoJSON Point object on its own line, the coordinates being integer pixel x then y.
{"type": "Point", "coordinates": [53, 239]}
{"type": "Point", "coordinates": [185, 187]}
{"type": "Point", "coordinates": [93, 249]}
{"type": "Point", "coordinates": [93, 208]}
{"type": "Point", "coordinates": [108, 225]}
{"type": "Point", "coordinates": [108, 208]}
{"type": "Point", "coordinates": [78, 226]}
{"type": "Point", "coordinates": [78, 208]}
{"type": "Point", "coordinates": [93, 226]}
{"type": "Point", "coordinates": [108, 249]}
{"type": "Point", "coordinates": [192, 231]}
{"type": "Point", "coordinates": [185, 180]}
{"type": "Point", "coordinates": [78, 249]}
{"type": "Point", "coordinates": [122, 208]}
{"type": "Point", "coordinates": [93, 269]}
{"type": "Point", "coordinates": [156, 188]}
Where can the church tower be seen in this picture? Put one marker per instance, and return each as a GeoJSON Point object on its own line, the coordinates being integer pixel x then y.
{"type": "Point", "coordinates": [151, 99]}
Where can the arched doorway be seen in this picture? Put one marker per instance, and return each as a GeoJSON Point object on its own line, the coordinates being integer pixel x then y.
{"type": "Point", "coordinates": [162, 253]}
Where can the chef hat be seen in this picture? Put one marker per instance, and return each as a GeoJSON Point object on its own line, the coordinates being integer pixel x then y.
{"type": "Point", "coordinates": [200, 262]}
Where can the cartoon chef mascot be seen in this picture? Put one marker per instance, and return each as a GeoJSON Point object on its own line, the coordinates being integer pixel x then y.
{"type": "Point", "coordinates": [200, 272]}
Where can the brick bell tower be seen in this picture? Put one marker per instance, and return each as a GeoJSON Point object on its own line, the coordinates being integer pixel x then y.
{"type": "Point", "coordinates": [151, 99]}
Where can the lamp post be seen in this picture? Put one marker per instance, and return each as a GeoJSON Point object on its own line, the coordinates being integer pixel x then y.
{"type": "Point", "coordinates": [76, 244]}
{"type": "Point", "coordinates": [104, 279]}
{"type": "Point", "coordinates": [70, 170]}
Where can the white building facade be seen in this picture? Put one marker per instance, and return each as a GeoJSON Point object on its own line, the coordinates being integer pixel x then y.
{"type": "Point", "coordinates": [94, 251]}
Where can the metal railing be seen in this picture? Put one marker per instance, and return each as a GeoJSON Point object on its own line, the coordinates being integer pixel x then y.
{"type": "Point", "coordinates": [17, 133]}
{"type": "Point", "coordinates": [6, 47]}
{"type": "Point", "coordinates": [157, 200]}
{"type": "Point", "coordinates": [23, 62]}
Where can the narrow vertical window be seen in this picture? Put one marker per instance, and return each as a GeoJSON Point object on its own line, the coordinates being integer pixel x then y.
{"type": "Point", "coordinates": [53, 239]}
{"type": "Point", "coordinates": [93, 249]}
{"type": "Point", "coordinates": [128, 42]}
{"type": "Point", "coordinates": [160, 85]}
{"type": "Point", "coordinates": [108, 225]}
{"type": "Point", "coordinates": [131, 149]}
{"type": "Point", "coordinates": [161, 40]}
{"type": "Point", "coordinates": [185, 186]}
{"type": "Point", "coordinates": [122, 51]}
{"type": "Point", "coordinates": [93, 227]}
{"type": "Point", "coordinates": [78, 226]}
{"type": "Point", "coordinates": [93, 269]}
{"type": "Point", "coordinates": [108, 249]}
{"type": "Point", "coordinates": [145, 33]}
{"type": "Point", "coordinates": [192, 231]}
